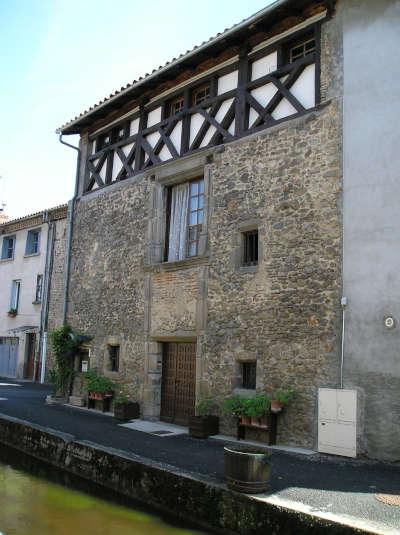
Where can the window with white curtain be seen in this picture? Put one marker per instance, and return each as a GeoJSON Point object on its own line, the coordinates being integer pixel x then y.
{"type": "Point", "coordinates": [186, 216]}
{"type": "Point", "coordinates": [15, 291]}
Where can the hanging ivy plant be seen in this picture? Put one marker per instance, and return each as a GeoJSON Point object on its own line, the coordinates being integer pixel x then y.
{"type": "Point", "coordinates": [65, 345]}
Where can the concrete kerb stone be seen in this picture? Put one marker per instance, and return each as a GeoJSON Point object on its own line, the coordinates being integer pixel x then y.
{"type": "Point", "coordinates": [190, 496]}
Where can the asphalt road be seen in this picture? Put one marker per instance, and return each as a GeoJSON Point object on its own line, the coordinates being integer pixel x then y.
{"type": "Point", "coordinates": [318, 485]}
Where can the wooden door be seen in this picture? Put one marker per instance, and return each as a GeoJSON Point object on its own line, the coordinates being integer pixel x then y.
{"type": "Point", "coordinates": [30, 355]}
{"type": "Point", "coordinates": [178, 382]}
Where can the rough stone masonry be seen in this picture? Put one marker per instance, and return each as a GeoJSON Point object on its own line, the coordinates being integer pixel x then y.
{"type": "Point", "coordinates": [284, 313]}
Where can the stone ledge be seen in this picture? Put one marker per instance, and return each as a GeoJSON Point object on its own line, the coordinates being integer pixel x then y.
{"type": "Point", "coordinates": [190, 496]}
{"type": "Point", "coordinates": [178, 265]}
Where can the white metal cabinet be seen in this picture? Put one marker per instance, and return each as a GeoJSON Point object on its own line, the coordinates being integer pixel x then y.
{"type": "Point", "coordinates": [337, 421]}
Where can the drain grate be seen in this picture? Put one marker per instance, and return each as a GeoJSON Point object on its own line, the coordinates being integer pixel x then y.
{"type": "Point", "coordinates": [389, 499]}
{"type": "Point", "coordinates": [161, 432]}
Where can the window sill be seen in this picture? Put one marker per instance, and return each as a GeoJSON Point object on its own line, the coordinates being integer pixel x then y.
{"type": "Point", "coordinates": [36, 302]}
{"type": "Point", "coordinates": [32, 254]}
{"type": "Point", "coordinates": [247, 269]}
{"type": "Point", "coordinates": [244, 392]}
{"type": "Point", "coordinates": [4, 260]}
{"type": "Point", "coordinates": [180, 264]}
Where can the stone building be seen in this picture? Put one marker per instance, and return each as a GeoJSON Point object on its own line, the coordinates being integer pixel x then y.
{"type": "Point", "coordinates": [31, 290]}
{"type": "Point", "coordinates": [206, 255]}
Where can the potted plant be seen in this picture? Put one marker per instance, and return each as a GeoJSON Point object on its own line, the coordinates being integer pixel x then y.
{"type": "Point", "coordinates": [249, 411]}
{"type": "Point", "coordinates": [281, 399]}
{"type": "Point", "coordinates": [125, 409]}
{"type": "Point", "coordinates": [99, 388]}
{"type": "Point", "coordinates": [257, 409]}
{"type": "Point", "coordinates": [203, 424]}
{"type": "Point", "coordinates": [12, 312]}
{"type": "Point", "coordinates": [234, 405]}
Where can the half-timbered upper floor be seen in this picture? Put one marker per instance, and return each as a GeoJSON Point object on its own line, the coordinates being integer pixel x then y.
{"type": "Point", "coordinates": [262, 72]}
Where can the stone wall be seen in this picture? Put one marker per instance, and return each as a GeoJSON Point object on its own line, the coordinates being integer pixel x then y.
{"type": "Point", "coordinates": [285, 181]}
{"type": "Point", "coordinates": [56, 295]}
{"type": "Point", "coordinates": [201, 500]}
{"type": "Point", "coordinates": [57, 285]}
{"type": "Point", "coordinates": [107, 278]}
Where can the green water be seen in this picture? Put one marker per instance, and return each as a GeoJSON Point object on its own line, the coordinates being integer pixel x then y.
{"type": "Point", "coordinates": [30, 505]}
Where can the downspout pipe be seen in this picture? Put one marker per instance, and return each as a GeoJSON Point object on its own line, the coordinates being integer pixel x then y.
{"type": "Point", "coordinates": [40, 373]}
{"type": "Point", "coordinates": [70, 225]}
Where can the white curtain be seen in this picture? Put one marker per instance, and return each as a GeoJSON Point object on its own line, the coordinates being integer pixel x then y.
{"type": "Point", "coordinates": [178, 222]}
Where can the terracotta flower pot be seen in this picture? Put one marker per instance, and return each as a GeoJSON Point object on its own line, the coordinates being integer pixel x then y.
{"type": "Point", "coordinates": [263, 422]}
{"type": "Point", "coordinates": [100, 396]}
{"type": "Point", "coordinates": [276, 406]}
{"type": "Point", "coordinates": [255, 421]}
{"type": "Point", "coordinates": [245, 420]}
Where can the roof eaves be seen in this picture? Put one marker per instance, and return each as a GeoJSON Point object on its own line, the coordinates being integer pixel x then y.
{"type": "Point", "coordinates": [170, 64]}
{"type": "Point", "coordinates": [32, 216]}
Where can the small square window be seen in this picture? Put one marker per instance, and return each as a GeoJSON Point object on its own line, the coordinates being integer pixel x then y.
{"type": "Point", "coordinates": [113, 353]}
{"type": "Point", "coordinates": [200, 94]}
{"type": "Point", "coordinates": [176, 105]}
{"type": "Point", "coordinates": [7, 250]}
{"type": "Point", "coordinates": [120, 132]}
{"type": "Point", "coordinates": [249, 373]}
{"type": "Point", "coordinates": [250, 248]}
{"type": "Point", "coordinates": [300, 50]}
{"type": "Point", "coordinates": [32, 242]}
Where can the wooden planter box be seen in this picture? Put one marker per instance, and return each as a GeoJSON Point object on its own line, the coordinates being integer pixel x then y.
{"type": "Point", "coordinates": [127, 411]}
{"type": "Point", "coordinates": [203, 426]}
{"type": "Point", "coordinates": [105, 400]}
{"type": "Point", "coordinates": [265, 423]}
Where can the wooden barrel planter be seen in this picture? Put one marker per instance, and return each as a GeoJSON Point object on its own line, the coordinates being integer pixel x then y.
{"type": "Point", "coordinates": [247, 469]}
{"type": "Point", "coordinates": [127, 411]}
{"type": "Point", "coordinates": [203, 426]}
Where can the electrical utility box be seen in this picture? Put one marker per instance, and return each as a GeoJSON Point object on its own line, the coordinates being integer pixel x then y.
{"type": "Point", "coordinates": [337, 421]}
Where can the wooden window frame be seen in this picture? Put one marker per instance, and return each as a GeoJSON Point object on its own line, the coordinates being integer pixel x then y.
{"type": "Point", "coordinates": [32, 243]}
{"type": "Point", "coordinates": [197, 226]}
{"type": "Point", "coordinates": [172, 102]}
{"type": "Point", "coordinates": [7, 249]}
{"type": "Point", "coordinates": [15, 294]}
{"type": "Point", "coordinates": [205, 87]}
{"type": "Point", "coordinates": [100, 141]}
{"type": "Point", "coordinates": [300, 41]}
{"type": "Point", "coordinates": [112, 135]}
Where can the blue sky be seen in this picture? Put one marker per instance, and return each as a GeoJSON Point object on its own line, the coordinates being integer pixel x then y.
{"type": "Point", "coordinates": [58, 57]}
